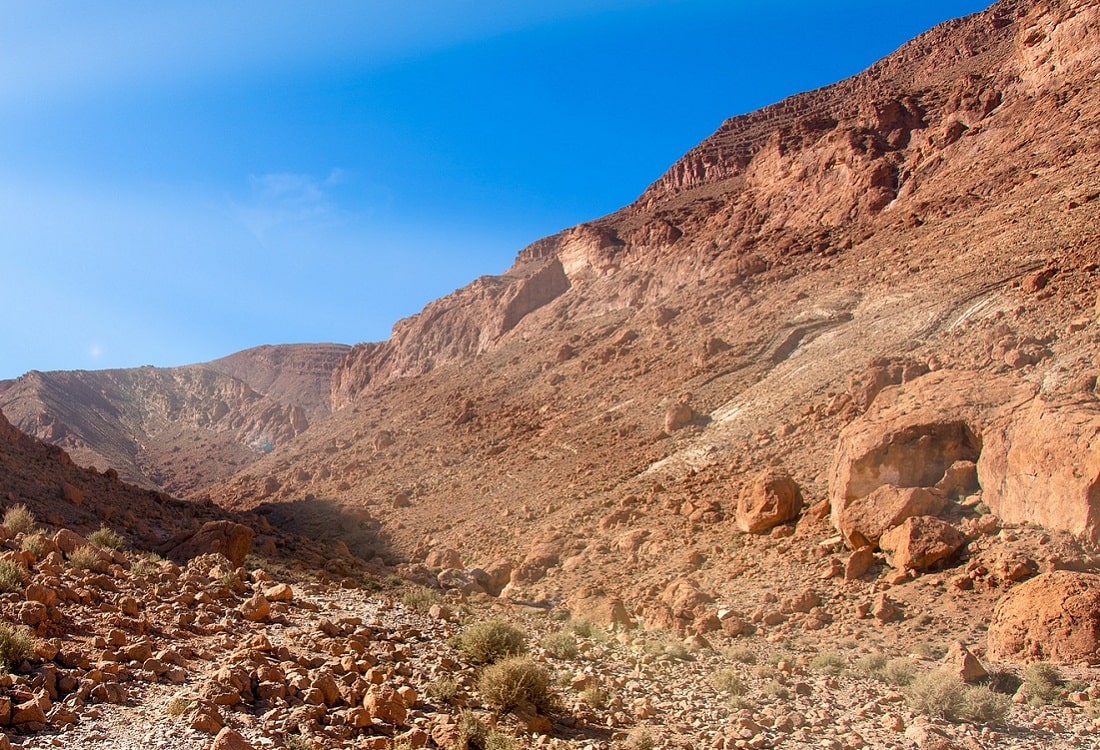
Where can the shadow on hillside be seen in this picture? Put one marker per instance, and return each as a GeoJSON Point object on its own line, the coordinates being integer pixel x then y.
{"type": "Point", "coordinates": [325, 525]}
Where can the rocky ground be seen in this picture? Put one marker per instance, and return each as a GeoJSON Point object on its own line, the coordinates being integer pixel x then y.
{"type": "Point", "coordinates": [131, 651]}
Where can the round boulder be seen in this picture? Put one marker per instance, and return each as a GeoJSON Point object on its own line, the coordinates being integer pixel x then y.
{"type": "Point", "coordinates": [1053, 617]}
{"type": "Point", "coordinates": [773, 498]}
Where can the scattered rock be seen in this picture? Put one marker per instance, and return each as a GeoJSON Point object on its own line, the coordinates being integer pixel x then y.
{"type": "Point", "coordinates": [920, 542]}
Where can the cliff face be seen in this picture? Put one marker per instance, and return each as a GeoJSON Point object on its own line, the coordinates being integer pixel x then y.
{"type": "Point", "coordinates": [953, 117]}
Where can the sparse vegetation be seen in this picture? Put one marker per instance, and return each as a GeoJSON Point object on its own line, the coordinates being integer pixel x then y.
{"type": "Point", "coordinates": [16, 645]}
{"type": "Point", "coordinates": [146, 564]}
{"type": "Point", "coordinates": [596, 697]}
{"type": "Point", "coordinates": [740, 654]}
{"type": "Point", "coordinates": [178, 706]}
{"type": "Point", "coordinates": [442, 689]}
{"type": "Point", "coordinates": [513, 682]}
{"type": "Point", "coordinates": [727, 681]}
{"type": "Point", "coordinates": [829, 662]}
{"type": "Point", "coordinates": [19, 520]}
{"type": "Point", "coordinates": [640, 738]}
{"type": "Point", "coordinates": [87, 557]}
{"type": "Point", "coordinates": [298, 742]}
{"type": "Point", "coordinates": [1043, 683]}
{"type": "Point", "coordinates": [560, 645]}
{"type": "Point", "coordinates": [12, 576]}
{"type": "Point", "coordinates": [106, 538]}
{"type": "Point", "coordinates": [35, 544]}
{"type": "Point", "coordinates": [982, 705]}
{"type": "Point", "coordinates": [937, 694]}
{"type": "Point", "coordinates": [897, 672]}
{"type": "Point", "coordinates": [421, 598]}
{"type": "Point", "coordinates": [491, 640]}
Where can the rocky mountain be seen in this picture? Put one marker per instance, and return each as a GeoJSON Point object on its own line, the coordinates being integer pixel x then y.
{"type": "Point", "coordinates": [177, 429]}
{"type": "Point", "coordinates": [921, 239]}
{"type": "Point", "coordinates": [817, 411]}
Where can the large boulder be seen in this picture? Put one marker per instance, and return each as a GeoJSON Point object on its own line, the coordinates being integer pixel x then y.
{"type": "Point", "coordinates": [1042, 466]}
{"type": "Point", "coordinates": [772, 498]}
{"type": "Point", "coordinates": [1053, 617]}
{"type": "Point", "coordinates": [227, 538]}
{"type": "Point", "coordinates": [912, 434]}
{"type": "Point", "coordinates": [863, 520]}
{"type": "Point", "coordinates": [921, 542]}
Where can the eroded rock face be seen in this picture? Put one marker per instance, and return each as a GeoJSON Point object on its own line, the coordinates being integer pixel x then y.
{"type": "Point", "coordinates": [1053, 617]}
{"type": "Point", "coordinates": [1042, 467]}
{"type": "Point", "coordinates": [772, 498]}
{"type": "Point", "coordinates": [227, 538]}
{"type": "Point", "coordinates": [911, 437]}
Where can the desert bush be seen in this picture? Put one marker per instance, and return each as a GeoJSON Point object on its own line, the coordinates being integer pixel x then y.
{"type": "Point", "coordinates": [12, 576]}
{"type": "Point", "coordinates": [872, 664]}
{"type": "Point", "coordinates": [178, 706]}
{"type": "Point", "coordinates": [982, 705]}
{"type": "Point", "coordinates": [596, 697]}
{"type": "Point", "coordinates": [106, 538]}
{"type": "Point", "coordinates": [1043, 683]}
{"type": "Point", "coordinates": [585, 628]}
{"type": "Point", "coordinates": [35, 544]}
{"type": "Point", "coordinates": [677, 650]}
{"type": "Point", "coordinates": [442, 689]}
{"type": "Point", "coordinates": [829, 662]}
{"type": "Point", "coordinates": [640, 738]}
{"type": "Point", "coordinates": [491, 640]}
{"type": "Point", "coordinates": [899, 672]}
{"type": "Point", "coordinates": [19, 520]}
{"type": "Point", "coordinates": [776, 690]}
{"type": "Point", "coordinates": [87, 557]}
{"type": "Point", "coordinates": [740, 654]}
{"type": "Point", "coordinates": [514, 682]}
{"type": "Point", "coordinates": [938, 694]}
{"type": "Point", "coordinates": [421, 598]}
{"type": "Point", "coordinates": [560, 645]}
{"type": "Point", "coordinates": [16, 644]}
{"type": "Point", "coordinates": [1003, 681]}
{"type": "Point", "coordinates": [727, 681]}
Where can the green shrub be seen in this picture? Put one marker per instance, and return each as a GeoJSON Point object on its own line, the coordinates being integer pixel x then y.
{"type": "Point", "coordinates": [727, 681]}
{"type": "Point", "coordinates": [560, 645]}
{"type": "Point", "coordinates": [829, 662]}
{"type": "Point", "coordinates": [12, 576]}
{"type": "Point", "coordinates": [513, 682]}
{"type": "Point", "coordinates": [19, 520]}
{"type": "Point", "coordinates": [981, 705]}
{"type": "Point", "coordinates": [1043, 683]}
{"type": "Point", "coordinates": [938, 694]}
{"type": "Point", "coordinates": [16, 644]}
{"type": "Point", "coordinates": [106, 538]}
{"type": "Point", "coordinates": [491, 640]}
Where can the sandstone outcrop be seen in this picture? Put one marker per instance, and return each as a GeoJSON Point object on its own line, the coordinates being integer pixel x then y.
{"type": "Point", "coordinates": [920, 542]}
{"type": "Point", "coordinates": [233, 540]}
{"type": "Point", "coordinates": [1053, 617]}
{"type": "Point", "coordinates": [1042, 466]}
{"type": "Point", "coordinates": [772, 498]}
{"type": "Point", "coordinates": [910, 438]}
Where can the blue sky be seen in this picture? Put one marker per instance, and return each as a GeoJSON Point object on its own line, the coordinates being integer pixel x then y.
{"type": "Point", "coordinates": [182, 180]}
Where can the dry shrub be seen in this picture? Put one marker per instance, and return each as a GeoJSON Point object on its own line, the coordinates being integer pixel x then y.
{"type": "Point", "coordinates": [106, 538]}
{"type": "Point", "coordinates": [514, 682]}
{"type": "Point", "coordinates": [491, 640]}
{"type": "Point", "coordinates": [19, 520]}
{"type": "Point", "coordinates": [87, 557]}
{"type": "Point", "coordinates": [12, 576]}
{"type": "Point", "coordinates": [16, 644]}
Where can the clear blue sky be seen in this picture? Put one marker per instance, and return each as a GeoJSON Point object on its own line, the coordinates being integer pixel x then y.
{"type": "Point", "coordinates": [182, 180]}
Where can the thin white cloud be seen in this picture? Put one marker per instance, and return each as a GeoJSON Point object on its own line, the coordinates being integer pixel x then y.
{"type": "Point", "coordinates": [281, 199]}
{"type": "Point", "coordinates": [52, 51]}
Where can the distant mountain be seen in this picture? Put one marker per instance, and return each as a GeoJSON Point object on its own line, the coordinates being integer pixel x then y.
{"type": "Point", "coordinates": [177, 429]}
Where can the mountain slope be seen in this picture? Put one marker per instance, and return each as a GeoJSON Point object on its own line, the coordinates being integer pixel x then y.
{"type": "Point", "coordinates": [937, 212]}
